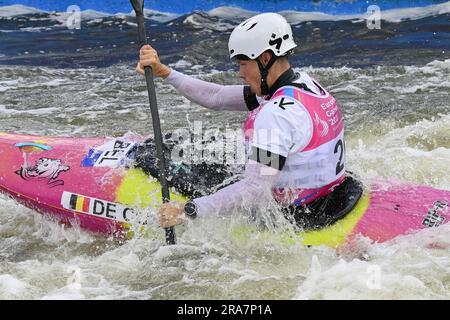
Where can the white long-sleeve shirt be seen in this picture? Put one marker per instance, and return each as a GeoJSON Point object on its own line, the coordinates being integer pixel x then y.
{"type": "Point", "coordinates": [255, 188]}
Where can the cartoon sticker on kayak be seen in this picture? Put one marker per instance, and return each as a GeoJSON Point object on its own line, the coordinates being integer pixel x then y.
{"type": "Point", "coordinates": [44, 169]}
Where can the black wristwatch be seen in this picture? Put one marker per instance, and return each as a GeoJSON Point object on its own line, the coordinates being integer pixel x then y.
{"type": "Point", "coordinates": [190, 209]}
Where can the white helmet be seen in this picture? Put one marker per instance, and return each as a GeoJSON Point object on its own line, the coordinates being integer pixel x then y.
{"type": "Point", "coordinates": [266, 31]}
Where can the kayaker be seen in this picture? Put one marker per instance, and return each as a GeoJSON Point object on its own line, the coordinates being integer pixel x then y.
{"type": "Point", "coordinates": [294, 133]}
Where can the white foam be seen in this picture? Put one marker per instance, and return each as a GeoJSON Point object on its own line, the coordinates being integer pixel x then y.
{"type": "Point", "coordinates": [206, 23]}
{"type": "Point", "coordinates": [92, 14]}
{"type": "Point", "coordinates": [41, 111]}
{"type": "Point", "coordinates": [71, 292]}
{"type": "Point", "coordinates": [155, 15]}
{"type": "Point", "coordinates": [159, 16]}
{"type": "Point", "coordinates": [11, 285]}
{"type": "Point", "coordinates": [348, 88]}
{"type": "Point", "coordinates": [17, 9]}
{"type": "Point", "coordinates": [397, 15]}
{"type": "Point", "coordinates": [60, 17]}
{"type": "Point", "coordinates": [296, 17]}
{"type": "Point", "coordinates": [19, 83]}
{"type": "Point", "coordinates": [357, 279]}
{"type": "Point", "coordinates": [63, 17]}
{"type": "Point", "coordinates": [181, 64]}
{"type": "Point", "coordinates": [34, 29]}
{"type": "Point", "coordinates": [231, 13]}
{"type": "Point", "coordinates": [392, 15]}
{"type": "Point", "coordinates": [5, 85]}
{"type": "Point", "coordinates": [397, 154]}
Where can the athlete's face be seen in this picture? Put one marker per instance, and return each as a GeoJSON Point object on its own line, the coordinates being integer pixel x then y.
{"type": "Point", "coordinates": [249, 73]}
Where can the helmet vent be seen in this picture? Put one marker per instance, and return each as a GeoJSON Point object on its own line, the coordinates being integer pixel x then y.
{"type": "Point", "coordinates": [252, 26]}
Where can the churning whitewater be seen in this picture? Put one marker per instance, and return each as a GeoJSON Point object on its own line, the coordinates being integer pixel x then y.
{"type": "Point", "coordinates": [393, 91]}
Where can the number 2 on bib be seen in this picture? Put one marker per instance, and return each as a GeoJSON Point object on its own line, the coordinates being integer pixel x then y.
{"type": "Point", "coordinates": [339, 147]}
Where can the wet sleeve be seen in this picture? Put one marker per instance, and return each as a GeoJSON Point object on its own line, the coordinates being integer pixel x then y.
{"type": "Point", "coordinates": [252, 191]}
{"type": "Point", "coordinates": [209, 95]}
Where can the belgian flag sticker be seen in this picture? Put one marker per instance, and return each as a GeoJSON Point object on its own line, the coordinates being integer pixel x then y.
{"type": "Point", "coordinates": [79, 203]}
{"type": "Point", "coordinates": [96, 207]}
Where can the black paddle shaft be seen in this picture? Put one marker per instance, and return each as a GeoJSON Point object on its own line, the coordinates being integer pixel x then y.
{"type": "Point", "coordinates": [138, 6]}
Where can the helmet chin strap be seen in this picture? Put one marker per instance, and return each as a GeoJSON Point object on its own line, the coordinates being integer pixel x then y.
{"type": "Point", "coordinates": [264, 72]}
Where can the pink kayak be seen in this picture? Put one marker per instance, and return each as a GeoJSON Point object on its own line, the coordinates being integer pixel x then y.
{"type": "Point", "coordinates": [91, 182]}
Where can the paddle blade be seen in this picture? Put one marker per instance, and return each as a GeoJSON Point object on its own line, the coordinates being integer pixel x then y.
{"type": "Point", "coordinates": [138, 6]}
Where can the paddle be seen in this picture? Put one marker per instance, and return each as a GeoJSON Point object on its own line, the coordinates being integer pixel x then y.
{"type": "Point", "coordinates": [138, 6]}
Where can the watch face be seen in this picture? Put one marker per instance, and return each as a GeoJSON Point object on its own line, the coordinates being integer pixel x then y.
{"type": "Point", "coordinates": [190, 209]}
